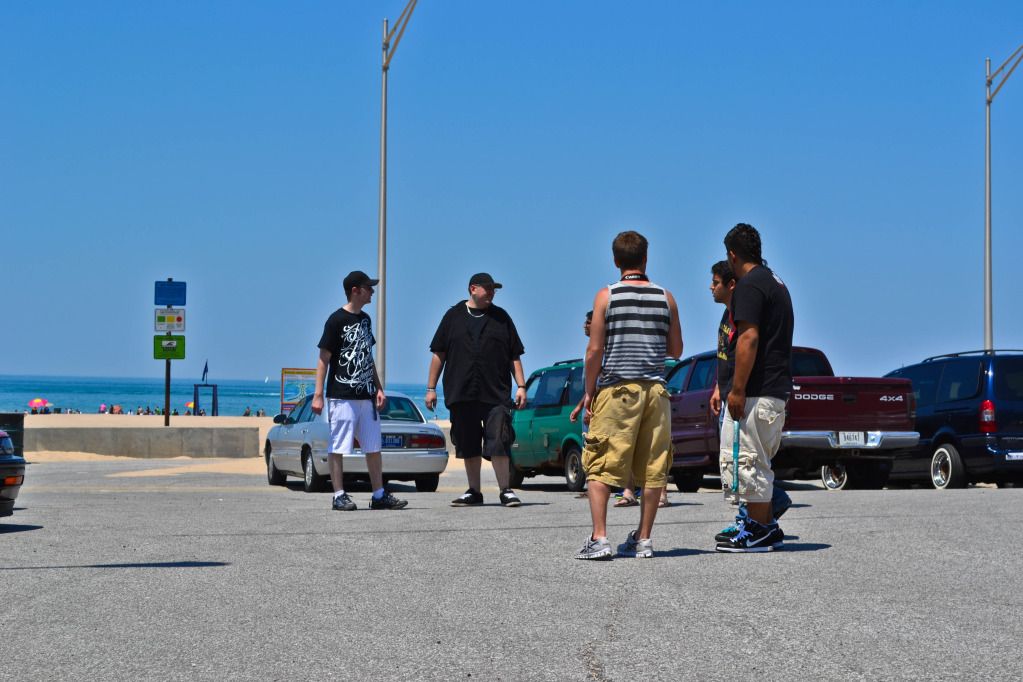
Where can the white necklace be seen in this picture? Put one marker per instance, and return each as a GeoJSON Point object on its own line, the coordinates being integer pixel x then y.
{"type": "Point", "coordinates": [469, 310]}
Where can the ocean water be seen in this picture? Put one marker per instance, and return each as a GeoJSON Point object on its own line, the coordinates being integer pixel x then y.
{"type": "Point", "coordinates": [88, 393]}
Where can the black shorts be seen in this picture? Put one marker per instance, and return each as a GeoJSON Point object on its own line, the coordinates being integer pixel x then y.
{"type": "Point", "coordinates": [481, 430]}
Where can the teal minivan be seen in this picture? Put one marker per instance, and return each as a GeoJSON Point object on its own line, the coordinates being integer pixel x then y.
{"type": "Point", "coordinates": [546, 441]}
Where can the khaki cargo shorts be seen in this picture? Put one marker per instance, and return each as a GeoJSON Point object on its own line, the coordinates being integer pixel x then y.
{"type": "Point", "coordinates": [759, 438]}
{"type": "Point", "coordinates": [630, 431]}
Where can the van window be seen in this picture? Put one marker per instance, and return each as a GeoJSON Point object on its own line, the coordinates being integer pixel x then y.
{"type": "Point", "coordinates": [960, 380]}
{"type": "Point", "coordinates": [705, 375]}
{"type": "Point", "coordinates": [925, 381]}
{"type": "Point", "coordinates": [576, 386]}
{"type": "Point", "coordinates": [552, 387]}
{"type": "Point", "coordinates": [1009, 378]}
{"type": "Point", "coordinates": [678, 376]}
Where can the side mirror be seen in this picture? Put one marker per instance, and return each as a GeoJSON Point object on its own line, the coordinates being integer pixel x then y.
{"type": "Point", "coordinates": [281, 419]}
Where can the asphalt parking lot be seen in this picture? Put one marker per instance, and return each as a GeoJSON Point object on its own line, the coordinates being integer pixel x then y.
{"type": "Point", "coordinates": [170, 569]}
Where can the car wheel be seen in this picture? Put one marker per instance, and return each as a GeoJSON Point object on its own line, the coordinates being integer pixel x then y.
{"type": "Point", "coordinates": [312, 482]}
{"type": "Point", "coordinates": [687, 481]}
{"type": "Point", "coordinates": [427, 483]}
{"type": "Point", "coordinates": [273, 475]}
{"type": "Point", "coordinates": [947, 470]}
{"type": "Point", "coordinates": [575, 474]}
{"type": "Point", "coordinates": [515, 475]}
{"type": "Point", "coordinates": [834, 476]}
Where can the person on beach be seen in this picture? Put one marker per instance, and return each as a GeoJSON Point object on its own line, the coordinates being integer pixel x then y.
{"type": "Point", "coordinates": [722, 284]}
{"type": "Point", "coordinates": [635, 327]}
{"type": "Point", "coordinates": [478, 349]}
{"type": "Point", "coordinates": [354, 394]}
{"type": "Point", "coordinates": [761, 383]}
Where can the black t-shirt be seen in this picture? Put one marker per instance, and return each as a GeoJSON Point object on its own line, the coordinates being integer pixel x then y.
{"type": "Point", "coordinates": [350, 341]}
{"type": "Point", "coordinates": [479, 348]}
{"type": "Point", "coordinates": [726, 352]}
{"type": "Point", "coordinates": [761, 298]}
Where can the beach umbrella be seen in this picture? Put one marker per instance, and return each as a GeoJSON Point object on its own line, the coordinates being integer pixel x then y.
{"type": "Point", "coordinates": [37, 402]}
{"type": "Point", "coordinates": [190, 404]}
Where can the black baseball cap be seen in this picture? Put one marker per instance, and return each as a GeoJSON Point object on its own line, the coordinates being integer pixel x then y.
{"type": "Point", "coordinates": [358, 278]}
{"type": "Point", "coordinates": [483, 279]}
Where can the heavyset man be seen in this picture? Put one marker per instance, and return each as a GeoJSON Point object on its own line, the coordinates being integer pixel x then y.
{"type": "Point", "coordinates": [354, 393]}
{"type": "Point", "coordinates": [478, 348]}
{"type": "Point", "coordinates": [761, 384]}
{"type": "Point", "coordinates": [635, 326]}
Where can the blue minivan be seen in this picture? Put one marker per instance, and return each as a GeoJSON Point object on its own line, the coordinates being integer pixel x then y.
{"type": "Point", "coordinates": [969, 412]}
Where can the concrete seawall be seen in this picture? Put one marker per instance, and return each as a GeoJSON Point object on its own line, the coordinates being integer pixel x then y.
{"type": "Point", "coordinates": [148, 442]}
{"type": "Point", "coordinates": [147, 437]}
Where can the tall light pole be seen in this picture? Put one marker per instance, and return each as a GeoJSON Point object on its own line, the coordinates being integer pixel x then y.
{"type": "Point", "coordinates": [388, 50]}
{"type": "Point", "coordinates": [988, 314]}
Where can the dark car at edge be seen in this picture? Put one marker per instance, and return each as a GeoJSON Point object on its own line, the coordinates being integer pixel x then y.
{"type": "Point", "coordinates": [969, 412]}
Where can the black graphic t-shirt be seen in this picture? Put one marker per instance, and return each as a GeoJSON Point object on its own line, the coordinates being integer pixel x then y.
{"type": "Point", "coordinates": [761, 298]}
{"type": "Point", "coordinates": [726, 352]}
{"type": "Point", "coordinates": [350, 341]}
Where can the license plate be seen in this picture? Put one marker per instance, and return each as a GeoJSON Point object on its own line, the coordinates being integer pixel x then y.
{"type": "Point", "coordinates": [846, 438]}
{"type": "Point", "coordinates": [1014, 456]}
{"type": "Point", "coordinates": [392, 441]}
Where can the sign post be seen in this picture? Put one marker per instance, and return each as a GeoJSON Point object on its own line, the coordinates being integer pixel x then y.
{"type": "Point", "coordinates": [170, 319]}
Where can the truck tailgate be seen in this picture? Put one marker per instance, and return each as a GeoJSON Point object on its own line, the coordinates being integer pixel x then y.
{"type": "Point", "coordinates": [850, 404]}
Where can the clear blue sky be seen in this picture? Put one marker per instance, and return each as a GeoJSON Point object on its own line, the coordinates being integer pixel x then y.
{"type": "Point", "coordinates": [234, 145]}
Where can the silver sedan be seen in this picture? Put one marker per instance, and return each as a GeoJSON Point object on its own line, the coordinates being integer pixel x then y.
{"type": "Point", "coordinates": [413, 448]}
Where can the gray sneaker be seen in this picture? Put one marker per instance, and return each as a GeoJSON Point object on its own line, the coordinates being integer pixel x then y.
{"type": "Point", "coordinates": [595, 549]}
{"type": "Point", "coordinates": [634, 547]}
{"type": "Point", "coordinates": [343, 503]}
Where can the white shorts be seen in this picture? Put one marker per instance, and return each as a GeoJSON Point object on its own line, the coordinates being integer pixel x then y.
{"type": "Point", "coordinates": [352, 420]}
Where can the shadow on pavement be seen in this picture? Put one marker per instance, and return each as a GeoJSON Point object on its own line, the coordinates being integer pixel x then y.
{"type": "Point", "coordinates": [157, 564]}
{"type": "Point", "coordinates": [680, 552]}
{"type": "Point", "coordinates": [803, 547]}
{"type": "Point", "coordinates": [16, 528]}
{"type": "Point", "coordinates": [797, 505]}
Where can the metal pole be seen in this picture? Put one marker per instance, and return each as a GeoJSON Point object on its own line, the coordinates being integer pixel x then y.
{"type": "Point", "coordinates": [166, 395]}
{"type": "Point", "coordinates": [988, 317]}
{"type": "Point", "coordinates": [381, 321]}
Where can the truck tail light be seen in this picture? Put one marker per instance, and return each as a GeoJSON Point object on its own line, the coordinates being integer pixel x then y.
{"type": "Point", "coordinates": [13, 480]}
{"type": "Point", "coordinates": [987, 417]}
{"type": "Point", "coordinates": [424, 442]}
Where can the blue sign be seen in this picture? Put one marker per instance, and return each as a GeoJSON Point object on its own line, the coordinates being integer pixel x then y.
{"type": "Point", "coordinates": [170, 293]}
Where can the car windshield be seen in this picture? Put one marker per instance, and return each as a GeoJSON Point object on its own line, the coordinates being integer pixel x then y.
{"type": "Point", "coordinates": [400, 410]}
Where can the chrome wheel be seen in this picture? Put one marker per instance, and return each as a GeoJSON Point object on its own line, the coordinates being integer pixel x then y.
{"type": "Point", "coordinates": [947, 470]}
{"type": "Point", "coordinates": [834, 476]}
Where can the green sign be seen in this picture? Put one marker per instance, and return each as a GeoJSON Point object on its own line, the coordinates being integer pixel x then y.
{"type": "Point", "coordinates": [168, 347]}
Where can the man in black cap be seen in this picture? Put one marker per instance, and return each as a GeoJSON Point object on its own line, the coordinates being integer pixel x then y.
{"type": "Point", "coordinates": [478, 348]}
{"type": "Point", "coordinates": [354, 393]}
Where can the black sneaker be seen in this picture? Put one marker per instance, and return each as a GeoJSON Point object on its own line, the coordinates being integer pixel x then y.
{"type": "Point", "coordinates": [753, 537]}
{"type": "Point", "coordinates": [343, 503]}
{"type": "Point", "coordinates": [509, 498]}
{"type": "Point", "coordinates": [470, 498]}
{"type": "Point", "coordinates": [388, 501]}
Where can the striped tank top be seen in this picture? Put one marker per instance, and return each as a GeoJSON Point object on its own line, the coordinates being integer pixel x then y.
{"type": "Point", "coordinates": [636, 333]}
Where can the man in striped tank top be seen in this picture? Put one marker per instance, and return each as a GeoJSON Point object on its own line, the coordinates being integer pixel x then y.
{"type": "Point", "coordinates": [635, 327]}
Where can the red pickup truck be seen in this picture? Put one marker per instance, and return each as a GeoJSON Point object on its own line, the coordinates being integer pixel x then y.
{"type": "Point", "coordinates": [847, 430]}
